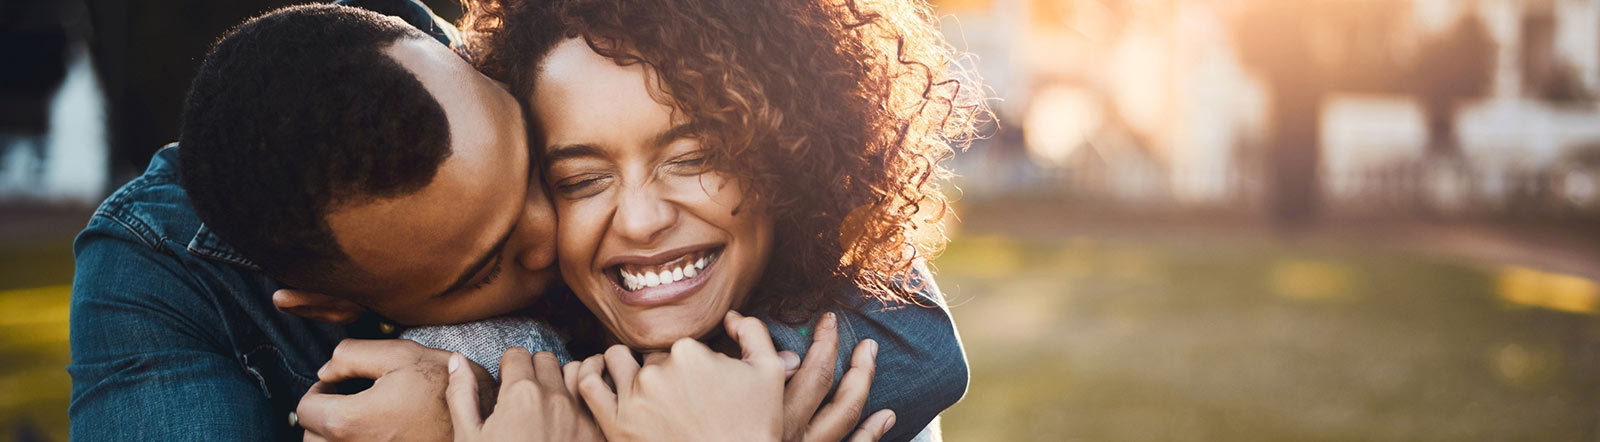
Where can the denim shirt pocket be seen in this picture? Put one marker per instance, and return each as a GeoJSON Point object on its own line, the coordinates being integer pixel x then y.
{"type": "Point", "coordinates": [278, 382]}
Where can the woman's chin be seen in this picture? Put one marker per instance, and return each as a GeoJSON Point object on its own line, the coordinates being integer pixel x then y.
{"type": "Point", "coordinates": [662, 338]}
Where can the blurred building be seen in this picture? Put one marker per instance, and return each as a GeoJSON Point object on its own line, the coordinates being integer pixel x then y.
{"type": "Point", "coordinates": [1451, 107]}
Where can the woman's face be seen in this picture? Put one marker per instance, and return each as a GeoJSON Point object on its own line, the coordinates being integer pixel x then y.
{"type": "Point", "coordinates": [648, 237]}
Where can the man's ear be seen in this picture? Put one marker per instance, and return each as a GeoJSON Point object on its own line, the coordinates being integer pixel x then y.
{"type": "Point", "coordinates": [317, 306]}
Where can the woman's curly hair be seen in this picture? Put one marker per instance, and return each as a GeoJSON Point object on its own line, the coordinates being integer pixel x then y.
{"type": "Point", "coordinates": [835, 113]}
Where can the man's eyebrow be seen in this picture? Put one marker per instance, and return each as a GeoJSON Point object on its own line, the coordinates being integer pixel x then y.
{"type": "Point", "coordinates": [478, 265]}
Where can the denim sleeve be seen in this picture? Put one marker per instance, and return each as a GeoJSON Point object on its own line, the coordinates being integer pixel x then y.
{"type": "Point", "coordinates": [147, 360]}
{"type": "Point", "coordinates": [921, 366]}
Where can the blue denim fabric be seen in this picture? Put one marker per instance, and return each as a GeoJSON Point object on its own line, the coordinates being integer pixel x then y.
{"type": "Point", "coordinates": [174, 336]}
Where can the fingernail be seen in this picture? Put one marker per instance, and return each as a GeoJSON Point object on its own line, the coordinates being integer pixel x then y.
{"type": "Point", "coordinates": [322, 373]}
{"type": "Point", "coordinates": [828, 320]}
{"type": "Point", "coordinates": [455, 362]}
{"type": "Point", "coordinates": [790, 359]}
{"type": "Point", "coordinates": [887, 424]}
{"type": "Point", "coordinates": [872, 347]}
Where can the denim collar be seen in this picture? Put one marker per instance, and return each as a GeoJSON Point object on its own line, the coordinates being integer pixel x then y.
{"type": "Point", "coordinates": [210, 246]}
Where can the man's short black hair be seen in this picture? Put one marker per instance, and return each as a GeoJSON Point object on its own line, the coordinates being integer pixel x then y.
{"type": "Point", "coordinates": [295, 113]}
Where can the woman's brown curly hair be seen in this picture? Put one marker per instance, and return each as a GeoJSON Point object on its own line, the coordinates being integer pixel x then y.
{"type": "Point", "coordinates": [835, 113]}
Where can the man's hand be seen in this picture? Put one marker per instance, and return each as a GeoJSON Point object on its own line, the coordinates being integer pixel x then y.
{"type": "Point", "coordinates": [535, 403]}
{"type": "Point", "coordinates": [802, 421]}
{"type": "Point", "coordinates": [406, 401]}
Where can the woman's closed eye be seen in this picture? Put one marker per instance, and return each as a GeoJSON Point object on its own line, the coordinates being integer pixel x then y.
{"type": "Point", "coordinates": [693, 163]}
{"type": "Point", "coordinates": [581, 185]}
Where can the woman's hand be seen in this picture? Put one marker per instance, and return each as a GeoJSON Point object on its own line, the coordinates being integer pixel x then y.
{"type": "Point", "coordinates": [695, 394]}
{"type": "Point", "coordinates": [690, 394]}
{"type": "Point", "coordinates": [535, 402]}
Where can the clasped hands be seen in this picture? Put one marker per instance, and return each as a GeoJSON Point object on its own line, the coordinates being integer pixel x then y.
{"type": "Point", "coordinates": [689, 393]}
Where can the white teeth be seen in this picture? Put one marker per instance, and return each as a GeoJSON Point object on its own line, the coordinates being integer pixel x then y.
{"type": "Point", "coordinates": [631, 281]}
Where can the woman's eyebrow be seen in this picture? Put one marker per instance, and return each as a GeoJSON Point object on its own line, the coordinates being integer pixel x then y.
{"type": "Point", "coordinates": [685, 130]}
{"type": "Point", "coordinates": [568, 151]}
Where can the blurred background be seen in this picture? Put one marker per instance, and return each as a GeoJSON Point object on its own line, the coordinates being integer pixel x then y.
{"type": "Point", "coordinates": [1318, 220]}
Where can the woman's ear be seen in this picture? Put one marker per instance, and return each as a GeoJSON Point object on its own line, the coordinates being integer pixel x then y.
{"type": "Point", "coordinates": [317, 306]}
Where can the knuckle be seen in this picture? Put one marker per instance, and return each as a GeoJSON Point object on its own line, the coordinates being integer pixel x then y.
{"type": "Point", "coordinates": [648, 373]}
{"type": "Point", "coordinates": [853, 409]}
{"type": "Point", "coordinates": [683, 344]}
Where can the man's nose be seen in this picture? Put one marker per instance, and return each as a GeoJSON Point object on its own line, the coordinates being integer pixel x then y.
{"type": "Point", "coordinates": [642, 216]}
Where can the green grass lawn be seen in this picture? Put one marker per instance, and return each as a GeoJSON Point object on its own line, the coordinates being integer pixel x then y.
{"type": "Point", "coordinates": [1140, 340]}
{"type": "Point", "coordinates": [1078, 339]}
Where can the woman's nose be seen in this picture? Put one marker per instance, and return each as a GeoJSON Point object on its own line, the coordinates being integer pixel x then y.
{"type": "Point", "coordinates": [642, 216]}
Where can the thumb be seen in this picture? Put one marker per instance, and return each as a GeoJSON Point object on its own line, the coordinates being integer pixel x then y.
{"type": "Point", "coordinates": [462, 398]}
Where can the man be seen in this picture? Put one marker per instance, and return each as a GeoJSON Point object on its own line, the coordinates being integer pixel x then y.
{"type": "Point", "coordinates": [345, 153]}
{"type": "Point", "coordinates": [340, 172]}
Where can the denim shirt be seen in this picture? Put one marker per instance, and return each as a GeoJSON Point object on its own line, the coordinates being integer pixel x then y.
{"type": "Point", "coordinates": [174, 336]}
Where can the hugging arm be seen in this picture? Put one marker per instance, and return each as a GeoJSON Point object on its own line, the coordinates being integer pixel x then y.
{"type": "Point", "coordinates": [145, 366]}
{"type": "Point", "coordinates": [921, 366]}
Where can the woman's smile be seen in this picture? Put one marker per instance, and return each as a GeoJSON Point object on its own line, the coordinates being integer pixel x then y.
{"type": "Point", "coordinates": [664, 278]}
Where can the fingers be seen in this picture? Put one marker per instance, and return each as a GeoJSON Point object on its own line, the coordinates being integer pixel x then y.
{"type": "Point", "coordinates": [316, 411]}
{"type": "Point", "coordinates": [656, 357]}
{"type": "Point", "coordinates": [462, 397]}
{"type": "Point", "coordinates": [596, 394]}
{"type": "Point", "coordinates": [834, 420]}
{"type": "Point", "coordinates": [812, 380]}
{"type": "Point", "coordinates": [752, 337]}
{"type": "Point", "coordinates": [547, 370]}
{"type": "Point", "coordinates": [369, 359]}
{"type": "Point", "coordinates": [874, 427]}
{"type": "Point", "coordinates": [623, 368]}
{"type": "Point", "coordinates": [515, 365]}
{"type": "Point", "coordinates": [569, 374]}
{"type": "Point", "coordinates": [791, 363]}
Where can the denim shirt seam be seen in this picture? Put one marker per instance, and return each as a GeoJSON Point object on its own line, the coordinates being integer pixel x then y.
{"type": "Point", "coordinates": [222, 253]}
{"type": "Point", "coordinates": [139, 229]}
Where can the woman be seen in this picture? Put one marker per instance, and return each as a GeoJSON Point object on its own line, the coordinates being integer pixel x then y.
{"type": "Point", "coordinates": [709, 155]}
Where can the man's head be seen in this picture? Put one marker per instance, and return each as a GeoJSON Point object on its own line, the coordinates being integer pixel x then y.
{"type": "Point", "coordinates": [347, 153]}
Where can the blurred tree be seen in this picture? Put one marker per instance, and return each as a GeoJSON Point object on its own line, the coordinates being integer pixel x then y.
{"type": "Point", "coordinates": [1303, 50]}
{"type": "Point", "coordinates": [1449, 67]}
